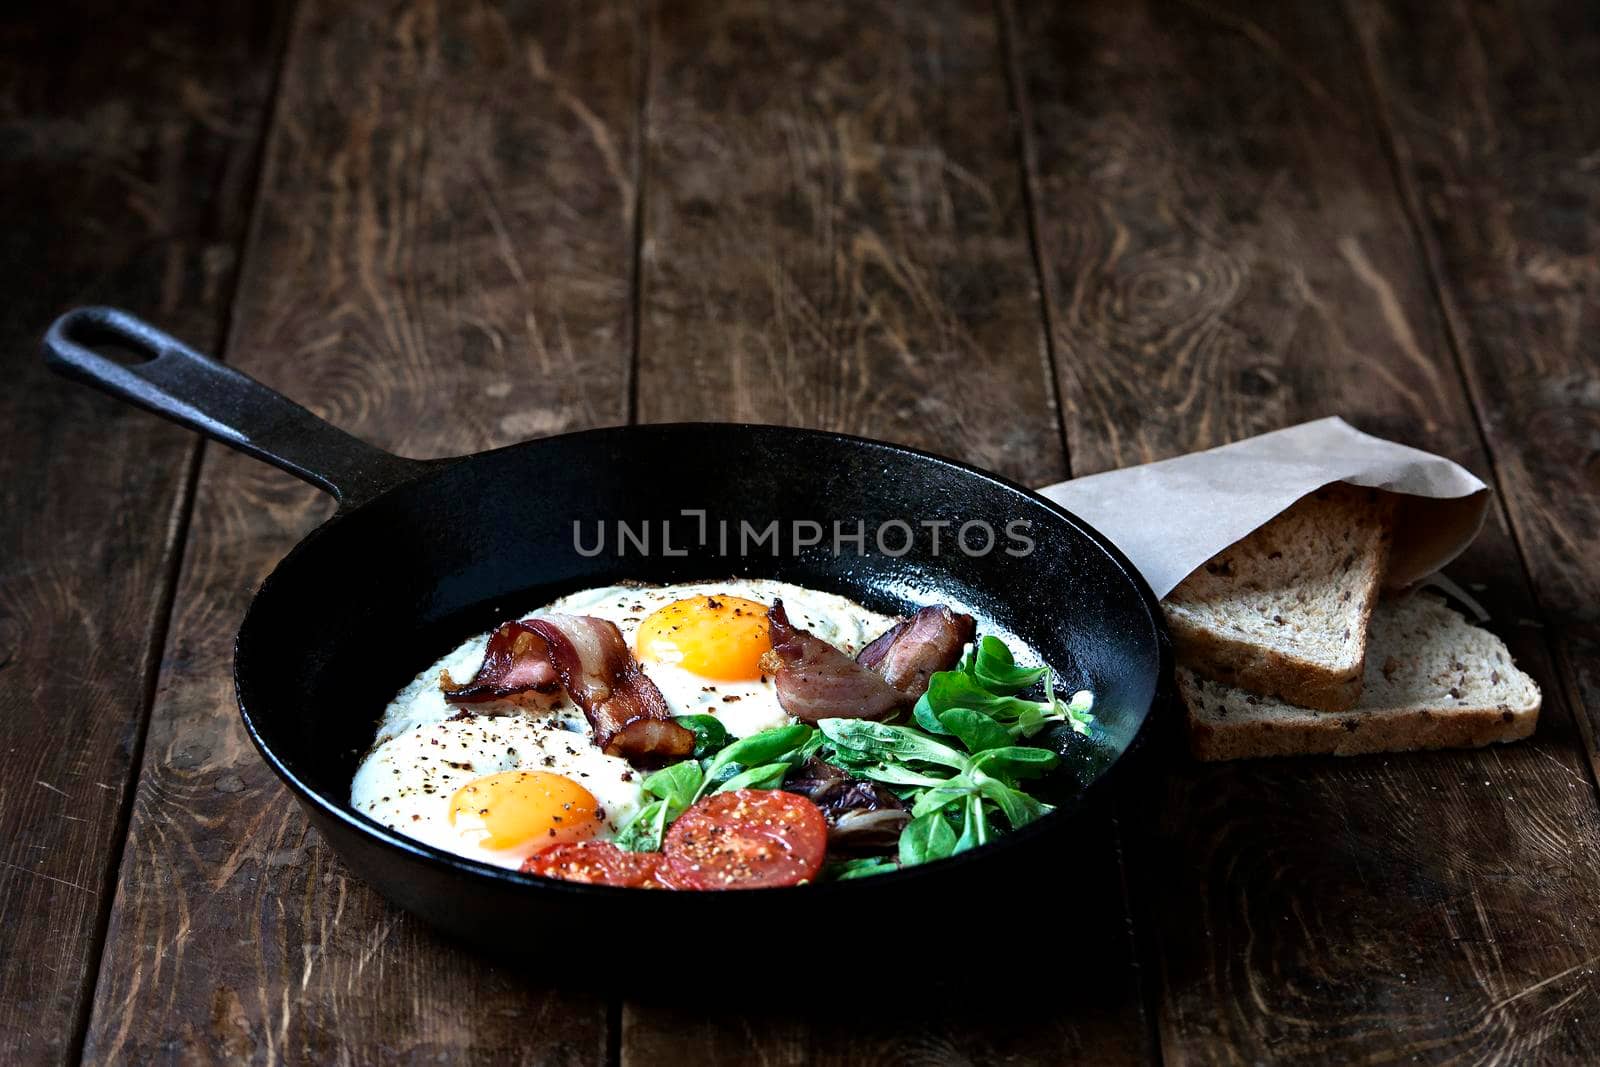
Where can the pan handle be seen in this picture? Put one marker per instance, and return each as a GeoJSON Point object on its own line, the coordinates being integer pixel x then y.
{"type": "Point", "coordinates": [178, 383]}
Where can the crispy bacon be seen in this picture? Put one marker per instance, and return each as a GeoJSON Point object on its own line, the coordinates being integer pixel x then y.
{"type": "Point", "coordinates": [516, 661]}
{"type": "Point", "coordinates": [916, 647]}
{"type": "Point", "coordinates": [815, 681]}
{"type": "Point", "coordinates": [589, 658]}
{"type": "Point", "coordinates": [625, 709]}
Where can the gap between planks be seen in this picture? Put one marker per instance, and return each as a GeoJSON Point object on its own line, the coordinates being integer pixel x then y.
{"type": "Point", "coordinates": [1428, 255]}
{"type": "Point", "coordinates": [1143, 950]}
{"type": "Point", "coordinates": [181, 525]}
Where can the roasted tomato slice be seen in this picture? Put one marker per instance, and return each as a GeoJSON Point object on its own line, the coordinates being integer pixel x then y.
{"type": "Point", "coordinates": [746, 839]}
{"type": "Point", "coordinates": [598, 863]}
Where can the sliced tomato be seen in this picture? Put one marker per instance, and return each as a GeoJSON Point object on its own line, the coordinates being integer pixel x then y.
{"type": "Point", "coordinates": [598, 863]}
{"type": "Point", "coordinates": [746, 839]}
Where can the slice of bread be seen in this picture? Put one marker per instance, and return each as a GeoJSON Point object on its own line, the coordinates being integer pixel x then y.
{"type": "Point", "coordinates": [1433, 680]}
{"type": "Point", "coordinates": [1284, 612]}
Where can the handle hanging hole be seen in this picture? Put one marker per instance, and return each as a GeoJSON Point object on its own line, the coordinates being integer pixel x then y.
{"type": "Point", "coordinates": [112, 343]}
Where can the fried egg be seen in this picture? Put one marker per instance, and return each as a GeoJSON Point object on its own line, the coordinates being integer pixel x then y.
{"type": "Point", "coordinates": [496, 788]}
{"type": "Point", "coordinates": [510, 778]}
{"type": "Point", "coordinates": [701, 643]}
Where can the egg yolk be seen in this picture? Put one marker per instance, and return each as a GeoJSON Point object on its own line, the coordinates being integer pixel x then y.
{"type": "Point", "coordinates": [717, 637]}
{"type": "Point", "coordinates": [529, 810]}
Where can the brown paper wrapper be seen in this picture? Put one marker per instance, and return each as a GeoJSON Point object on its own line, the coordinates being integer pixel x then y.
{"type": "Point", "coordinates": [1172, 516]}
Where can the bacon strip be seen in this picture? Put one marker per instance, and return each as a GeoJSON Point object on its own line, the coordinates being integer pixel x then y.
{"type": "Point", "coordinates": [515, 662]}
{"type": "Point", "coordinates": [625, 709]}
{"type": "Point", "coordinates": [589, 658]}
{"type": "Point", "coordinates": [815, 681]}
{"type": "Point", "coordinates": [916, 647]}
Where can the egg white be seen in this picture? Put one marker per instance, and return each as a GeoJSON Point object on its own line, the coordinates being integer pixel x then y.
{"type": "Point", "coordinates": [743, 707]}
{"type": "Point", "coordinates": [407, 782]}
{"type": "Point", "coordinates": [424, 752]}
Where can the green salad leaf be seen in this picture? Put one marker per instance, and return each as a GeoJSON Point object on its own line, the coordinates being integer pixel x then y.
{"type": "Point", "coordinates": [766, 776]}
{"type": "Point", "coordinates": [675, 788]}
{"type": "Point", "coordinates": [974, 825]}
{"type": "Point", "coordinates": [812, 746]}
{"type": "Point", "coordinates": [865, 867]}
{"type": "Point", "coordinates": [645, 831]}
{"type": "Point", "coordinates": [958, 689]}
{"type": "Point", "coordinates": [781, 744]}
{"type": "Point", "coordinates": [1074, 712]}
{"type": "Point", "coordinates": [941, 796]}
{"type": "Point", "coordinates": [890, 774]}
{"type": "Point", "coordinates": [949, 690]}
{"type": "Point", "coordinates": [991, 665]}
{"type": "Point", "coordinates": [883, 741]}
{"type": "Point", "coordinates": [1018, 807]}
{"type": "Point", "coordinates": [977, 731]}
{"type": "Point", "coordinates": [760, 761]}
{"type": "Point", "coordinates": [958, 764]}
{"type": "Point", "coordinates": [1016, 761]}
{"type": "Point", "coordinates": [709, 733]}
{"type": "Point", "coordinates": [677, 784]}
{"type": "Point", "coordinates": [926, 838]}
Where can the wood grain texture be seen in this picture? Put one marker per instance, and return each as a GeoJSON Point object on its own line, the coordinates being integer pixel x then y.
{"type": "Point", "coordinates": [1225, 253]}
{"type": "Point", "coordinates": [834, 232]}
{"type": "Point", "coordinates": [124, 176]}
{"type": "Point", "coordinates": [440, 262]}
{"type": "Point", "coordinates": [1498, 147]}
{"type": "Point", "coordinates": [834, 236]}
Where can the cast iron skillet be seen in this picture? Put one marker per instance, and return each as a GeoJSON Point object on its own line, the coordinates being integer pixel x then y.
{"type": "Point", "coordinates": [421, 555]}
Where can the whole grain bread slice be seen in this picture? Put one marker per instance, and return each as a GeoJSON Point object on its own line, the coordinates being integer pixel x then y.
{"type": "Point", "coordinates": [1433, 680]}
{"type": "Point", "coordinates": [1284, 612]}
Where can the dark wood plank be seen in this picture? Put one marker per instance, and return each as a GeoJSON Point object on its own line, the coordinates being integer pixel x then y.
{"type": "Point", "coordinates": [834, 235]}
{"type": "Point", "coordinates": [1226, 253]}
{"type": "Point", "coordinates": [834, 231]}
{"type": "Point", "coordinates": [1499, 153]}
{"type": "Point", "coordinates": [127, 156]}
{"type": "Point", "coordinates": [441, 262]}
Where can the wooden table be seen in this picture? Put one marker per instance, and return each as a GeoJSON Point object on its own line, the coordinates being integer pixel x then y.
{"type": "Point", "coordinates": [1050, 239]}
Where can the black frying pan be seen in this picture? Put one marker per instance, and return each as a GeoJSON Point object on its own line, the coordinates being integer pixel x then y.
{"type": "Point", "coordinates": [421, 555]}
